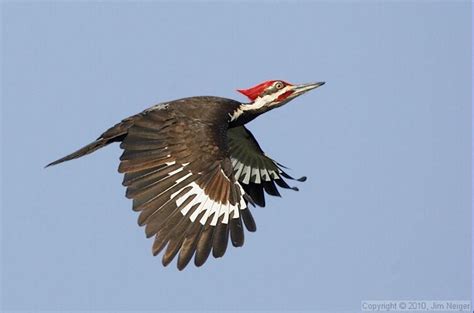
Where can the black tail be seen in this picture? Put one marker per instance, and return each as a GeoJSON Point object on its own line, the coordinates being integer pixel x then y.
{"type": "Point", "coordinates": [99, 143]}
{"type": "Point", "coordinates": [113, 134]}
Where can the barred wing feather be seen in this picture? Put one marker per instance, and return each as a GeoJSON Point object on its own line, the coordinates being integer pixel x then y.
{"type": "Point", "coordinates": [253, 169]}
{"type": "Point", "coordinates": [184, 188]}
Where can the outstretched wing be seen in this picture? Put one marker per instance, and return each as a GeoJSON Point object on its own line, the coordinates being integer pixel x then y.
{"type": "Point", "coordinates": [253, 169]}
{"type": "Point", "coordinates": [181, 181]}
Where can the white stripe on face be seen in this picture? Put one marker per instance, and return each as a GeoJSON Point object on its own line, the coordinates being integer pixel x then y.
{"type": "Point", "coordinates": [266, 99]}
{"type": "Point", "coordinates": [259, 103]}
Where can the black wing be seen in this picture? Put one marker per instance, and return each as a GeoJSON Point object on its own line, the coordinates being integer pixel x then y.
{"type": "Point", "coordinates": [255, 171]}
{"type": "Point", "coordinates": [181, 181]}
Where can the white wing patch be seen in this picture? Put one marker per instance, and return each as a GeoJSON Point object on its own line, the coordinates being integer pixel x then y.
{"type": "Point", "coordinates": [246, 173]}
{"type": "Point", "coordinates": [255, 173]}
{"type": "Point", "coordinates": [209, 206]}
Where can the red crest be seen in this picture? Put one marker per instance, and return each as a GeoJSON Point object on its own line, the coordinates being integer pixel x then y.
{"type": "Point", "coordinates": [255, 91]}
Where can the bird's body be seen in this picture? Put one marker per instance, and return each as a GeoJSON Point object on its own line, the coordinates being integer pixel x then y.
{"type": "Point", "coordinates": [192, 169]}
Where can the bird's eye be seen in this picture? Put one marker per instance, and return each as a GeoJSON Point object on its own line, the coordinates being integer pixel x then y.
{"type": "Point", "coordinates": [279, 85]}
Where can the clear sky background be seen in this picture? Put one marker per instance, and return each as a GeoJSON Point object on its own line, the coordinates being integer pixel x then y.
{"type": "Point", "coordinates": [385, 212]}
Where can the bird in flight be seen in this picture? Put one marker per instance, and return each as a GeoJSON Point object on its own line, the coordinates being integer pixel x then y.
{"type": "Point", "coordinates": [192, 168]}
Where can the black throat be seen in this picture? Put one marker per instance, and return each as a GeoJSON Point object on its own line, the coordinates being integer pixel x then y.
{"type": "Point", "coordinates": [247, 116]}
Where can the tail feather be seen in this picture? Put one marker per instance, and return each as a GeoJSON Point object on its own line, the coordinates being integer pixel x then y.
{"type": "Point", "coordinates": [113, 134]}
{"type": "Point", "coordinates": [93, 146]}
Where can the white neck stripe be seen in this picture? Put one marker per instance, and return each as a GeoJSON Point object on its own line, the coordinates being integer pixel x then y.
{"type": "Point", "coordinates": [258, 103]}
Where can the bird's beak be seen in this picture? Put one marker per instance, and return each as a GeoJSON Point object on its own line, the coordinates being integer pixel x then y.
{"type": "Point", "coordinates": [303, 88]}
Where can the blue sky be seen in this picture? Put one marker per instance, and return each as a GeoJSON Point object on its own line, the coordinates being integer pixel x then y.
{"type": "Point", "coordinates": [385, 212]}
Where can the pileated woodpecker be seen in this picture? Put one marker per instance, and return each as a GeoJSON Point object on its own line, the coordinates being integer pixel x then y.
{"type": "Point", "coordinates": [192, 168]}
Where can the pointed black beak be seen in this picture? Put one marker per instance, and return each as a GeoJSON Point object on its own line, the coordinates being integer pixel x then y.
{"type": "Point", "coordinates": [303, 88]}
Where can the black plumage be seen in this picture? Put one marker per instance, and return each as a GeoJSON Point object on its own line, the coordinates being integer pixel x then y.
{"type": "Point", "coordinates": [192, 170]}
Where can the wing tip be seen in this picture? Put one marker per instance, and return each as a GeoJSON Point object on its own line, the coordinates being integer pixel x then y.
{"type": "Point", "coordinates": [302, 179]}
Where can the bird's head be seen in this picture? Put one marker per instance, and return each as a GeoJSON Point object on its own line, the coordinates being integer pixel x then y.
{"type": "Point", "coordinates": [271, 94]}
{"type": "Point", "coordinates": [276, 92]}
